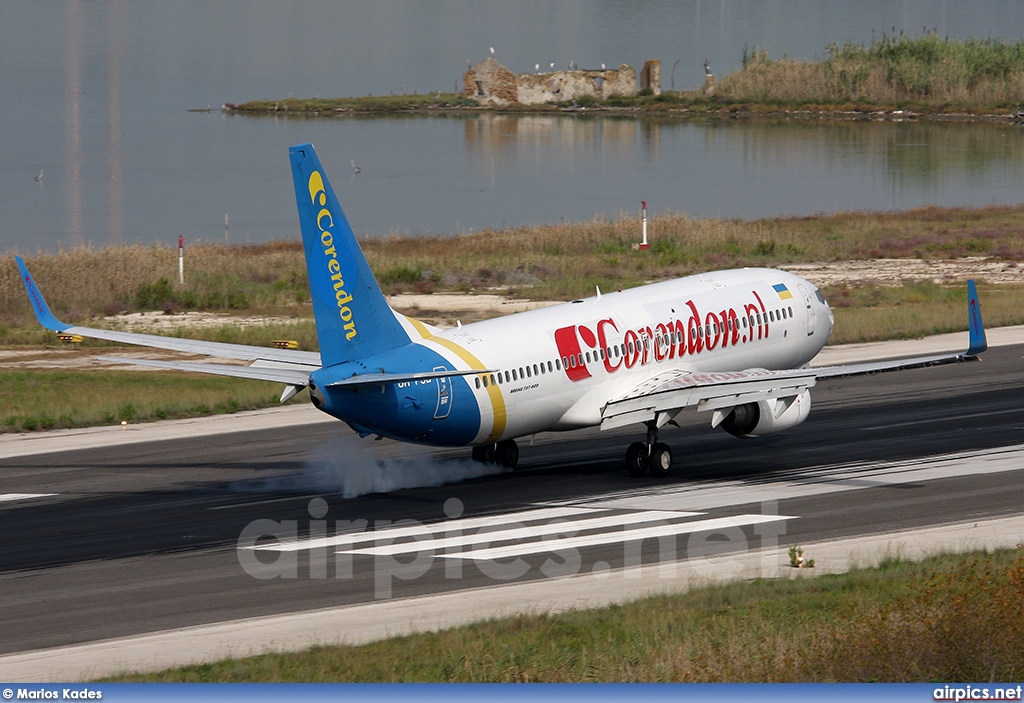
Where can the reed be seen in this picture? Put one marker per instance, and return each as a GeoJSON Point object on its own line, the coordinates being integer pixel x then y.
{"type": "Point", "coordinates": [927, 71]}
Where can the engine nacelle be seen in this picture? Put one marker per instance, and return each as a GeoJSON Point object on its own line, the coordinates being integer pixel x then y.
{"type": "Point", "coordinates": [768, 416]}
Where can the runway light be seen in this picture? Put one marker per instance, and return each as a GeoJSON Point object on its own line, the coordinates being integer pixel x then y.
{"type": "Point", "coordinates": [124, 423]}
{"type": "Point", "coordinates": [286, 344]}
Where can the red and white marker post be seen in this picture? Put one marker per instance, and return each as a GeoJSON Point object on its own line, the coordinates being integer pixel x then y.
{"type": "Point", "coordinates": [181, 259]}
{"type": "Point", "coordinates": [644, 246]}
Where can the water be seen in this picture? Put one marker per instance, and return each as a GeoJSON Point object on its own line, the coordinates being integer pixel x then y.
{"type": "Point", "coordinates": [98, 93]}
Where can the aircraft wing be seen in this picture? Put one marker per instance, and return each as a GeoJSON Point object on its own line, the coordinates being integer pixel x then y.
{"type": "Point", "coordinates": [300, 360]}
{"type": "Point", "coordinates": [664, 396]}
{"type": "Point", "coordinates": [289, 376]}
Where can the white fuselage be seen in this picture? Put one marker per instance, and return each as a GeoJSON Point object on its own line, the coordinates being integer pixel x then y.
{"type": "Point", "coordinates": [555, 368]}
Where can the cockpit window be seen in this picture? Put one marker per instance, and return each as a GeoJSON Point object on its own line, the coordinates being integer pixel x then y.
{"type": "Point", "coordinates": [821, 298]}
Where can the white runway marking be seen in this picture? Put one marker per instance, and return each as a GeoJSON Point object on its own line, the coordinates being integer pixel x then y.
{"type": "Point", "coordinates": [540, 547]}
{"type": "Point", "coordinates": [818, 480]}
{"type": "Point", "coordinates": [417, 530]}
{"type": "Point", "coordinates": [8, 497]}
{"type": "Point", "coordinates": [516, 531]}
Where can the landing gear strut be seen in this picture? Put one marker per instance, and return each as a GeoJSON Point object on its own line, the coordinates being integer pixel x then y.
{"type": "Point", "coordinates": [653, 456]}
{"type": "Point", "coordinates": [505, 453]}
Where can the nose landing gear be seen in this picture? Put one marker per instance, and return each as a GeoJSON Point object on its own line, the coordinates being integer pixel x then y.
{"type": "Point", "coordinates": [652, 456]}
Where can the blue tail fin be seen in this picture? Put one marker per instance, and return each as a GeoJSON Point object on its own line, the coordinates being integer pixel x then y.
{"type": "Point", "coordinates": [353, 320]}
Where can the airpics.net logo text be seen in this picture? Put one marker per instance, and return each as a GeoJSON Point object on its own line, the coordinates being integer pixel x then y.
{"type": "Point", "coordinates": [406, 550]}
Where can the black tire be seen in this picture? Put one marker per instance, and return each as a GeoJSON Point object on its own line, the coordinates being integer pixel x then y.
{"type": "Point", "coordinates": [660, 462]}
{"type": "Point", "coordinates": [484, 453]}
{"type": "Point", "coordinates": [507, 453]}
{"type": "Point", "coordinates": [636, 459]}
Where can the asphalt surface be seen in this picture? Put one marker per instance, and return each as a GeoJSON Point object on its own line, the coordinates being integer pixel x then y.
{"type": "Point", "coordinates": [125, 540]}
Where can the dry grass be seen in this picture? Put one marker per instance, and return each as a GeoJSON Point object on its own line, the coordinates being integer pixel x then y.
{"type": "Point", "coordinates": [952, 618]}
{"type": "Point", "coordinates": [553, 262]}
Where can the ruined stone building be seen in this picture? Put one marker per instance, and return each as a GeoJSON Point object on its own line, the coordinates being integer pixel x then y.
{"type": "Point", "coordinates": [491, 84]}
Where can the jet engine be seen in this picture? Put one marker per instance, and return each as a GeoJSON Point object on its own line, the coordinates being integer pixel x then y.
{"type": "Point", "coordinates": [768, 416]}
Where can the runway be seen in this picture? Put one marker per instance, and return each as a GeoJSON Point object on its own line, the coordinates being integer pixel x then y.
{"type": "Point", "coordinates": [141, 537]}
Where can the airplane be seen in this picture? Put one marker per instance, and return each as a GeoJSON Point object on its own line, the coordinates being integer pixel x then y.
{"type": "Point", "coordinates": [735, 344]}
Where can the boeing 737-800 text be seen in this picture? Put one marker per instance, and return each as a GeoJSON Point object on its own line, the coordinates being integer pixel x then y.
{"type": "Point", "coordinates": [735, 344]}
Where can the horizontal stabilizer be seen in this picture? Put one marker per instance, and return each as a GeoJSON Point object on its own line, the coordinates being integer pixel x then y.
{"type": "Point", "coordinates": [376, 379]}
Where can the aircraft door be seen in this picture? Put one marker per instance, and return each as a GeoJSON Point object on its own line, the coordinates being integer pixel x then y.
{"type": "Point", "coordinates": [444, 395]}
{"type": "Point", "coordinates": [809, 303]}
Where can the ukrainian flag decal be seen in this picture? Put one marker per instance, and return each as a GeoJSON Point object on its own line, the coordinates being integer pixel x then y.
{"type": "Point", "coordinates": [783, 292]}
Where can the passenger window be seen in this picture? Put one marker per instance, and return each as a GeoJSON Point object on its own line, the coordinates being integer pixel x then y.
{"type": "Point", "coordinates": [550, 369]}
{"type": "Point", "coordinates": [478, 382]}
{"type": "Point", "coordinates": [493, 382]}
{"type": "Point", "coordinates": [558, 363]}
{"type": "Point", "coordinates": [485, 382]}
{"type": "Point", "coordinates": [528, 374]}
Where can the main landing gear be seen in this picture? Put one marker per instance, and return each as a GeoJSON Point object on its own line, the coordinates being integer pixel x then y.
{"type": "Point", "coordinates": [505, 453]}
{"type": "Point", "coordinates": [653, 456]}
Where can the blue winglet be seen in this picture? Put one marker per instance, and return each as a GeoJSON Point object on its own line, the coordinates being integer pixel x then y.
{"type": "Point", "coordinates": [975, 326]}
{"type": "Point", "coordinates": [39, 306]}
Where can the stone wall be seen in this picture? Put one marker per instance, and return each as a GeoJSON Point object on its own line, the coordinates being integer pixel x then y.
{"type": "Point", "coordinates": [490, 83]}
{"type": "Point", "coordinates": [650, 77]}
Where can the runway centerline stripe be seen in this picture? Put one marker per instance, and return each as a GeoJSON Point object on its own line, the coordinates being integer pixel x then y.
{"type": "Point", "coordinates": [683, 528]}
{"type": "Point", "coordinates": [910, 423]}
{"type": "Point", "coordinates": [8, 497]}
{"type": "Point", "coordinates": [489, 537]}
{"type": "Point", "coordinates": [349, 538]}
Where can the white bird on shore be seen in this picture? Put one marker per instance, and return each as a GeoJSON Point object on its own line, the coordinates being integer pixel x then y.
{"type": "Point", "coordinates": [40, 176]}
{"type": "Point", "coordinates": [355, 169]}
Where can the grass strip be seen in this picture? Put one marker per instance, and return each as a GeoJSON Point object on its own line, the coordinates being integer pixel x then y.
{"type": "Point", "coordinates": [43, 400]}
{"type": "Point", "coordinates": [544, 262]}
{"type": "Point", "coordinates": [949, 618]}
